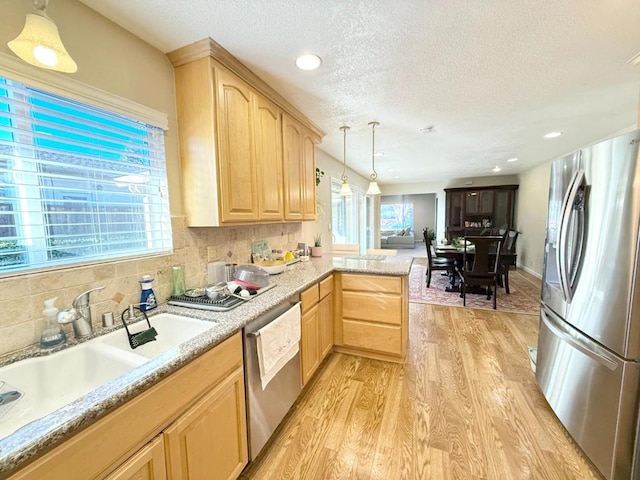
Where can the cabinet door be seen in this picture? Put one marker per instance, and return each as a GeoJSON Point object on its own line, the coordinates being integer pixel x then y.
{"type": "Point", "coordinates": [485, 202]}
{"type": "Point", "coordinates": [454, 209]}
{"type": "Point", "coordinates": [502, 215]}
{"type": "Point", "coordinates": [325, 325]}
{"type": "Point", "coordinates": [309, 344]}
{"type": "Point", "coordinates": [471, 202]}
{"type": "Point", "coordinates": [269, 159]}
{"type": "Point", "coordinates": [293, 168]}
{"type": "Point", "coordinates": [237, 176]}
{"type": "Point", "coordinates": [147, 464]}
{"type": "Point", "coordinates": [309, 177]}
{"type": "Point", "coordinates": [209, 442]}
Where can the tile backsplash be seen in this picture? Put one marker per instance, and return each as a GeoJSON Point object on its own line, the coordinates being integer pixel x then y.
{"type": "Point", "coordinates": [22, 297]}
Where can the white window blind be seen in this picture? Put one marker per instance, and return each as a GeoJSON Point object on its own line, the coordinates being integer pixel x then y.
{"type": "Point", "coordinates": [77, 183]}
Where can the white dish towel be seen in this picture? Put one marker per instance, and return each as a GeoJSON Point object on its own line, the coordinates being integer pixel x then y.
{"type": "Point", "coordinates": [278, 342]}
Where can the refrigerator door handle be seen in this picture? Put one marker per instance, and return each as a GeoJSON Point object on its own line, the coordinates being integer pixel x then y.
{"type": "Point", "coordinates": [562, 253]}
{"type": "Point", "coordinates": [585, 346]}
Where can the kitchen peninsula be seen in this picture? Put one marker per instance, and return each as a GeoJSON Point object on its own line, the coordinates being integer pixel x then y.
{"type": "Point", "coordinates": [50, 444]}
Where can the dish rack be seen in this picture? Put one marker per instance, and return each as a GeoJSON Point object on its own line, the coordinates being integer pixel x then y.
{"type": "Point", "coordinates": [219, 305]}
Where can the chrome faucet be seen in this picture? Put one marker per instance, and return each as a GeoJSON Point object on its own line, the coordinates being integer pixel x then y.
{"type": "Point", "coordinates": [79, 315]}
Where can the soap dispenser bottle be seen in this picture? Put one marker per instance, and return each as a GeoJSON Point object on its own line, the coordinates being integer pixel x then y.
{"type": "Point", "coordinates": [147, 297]}
{"type": "Point", "coordinates": [52, 335]}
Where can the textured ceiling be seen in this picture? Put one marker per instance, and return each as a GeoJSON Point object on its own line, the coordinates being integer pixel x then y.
{"type": "Point", "coordinates": [492, 76]}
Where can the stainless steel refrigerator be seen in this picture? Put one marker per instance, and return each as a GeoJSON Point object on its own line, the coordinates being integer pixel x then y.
{"type": "Point", "coordinates": [589, 342]}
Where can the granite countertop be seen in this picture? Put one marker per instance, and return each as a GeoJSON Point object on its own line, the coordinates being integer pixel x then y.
{"type": "Point", "coordinates": [27, 443]}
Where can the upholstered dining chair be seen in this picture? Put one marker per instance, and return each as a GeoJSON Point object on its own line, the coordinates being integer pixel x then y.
{"type": "Point", "coordinates": [345, 249]}
{"type": "Point", "coordinates": [481, 265]}
{"type": "Point", "coordinates": [437, 263]}
{"type": "Point", "coordinates": [508, 259]}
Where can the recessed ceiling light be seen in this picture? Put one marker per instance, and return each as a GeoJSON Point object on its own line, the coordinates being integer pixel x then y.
{"type": "Point", "coordinates": [396, 177]}
{"type": "Point", "coordinates": [378, 154]}
{"type": "Point", "coordinates": [497, 169]}
{"type": "Point", "coordinates": [390, 170]}
{"type": "Point", "coordinates": [514, 159]}
{"type": "Point", "coordinates": [308, 61]}
{"type": "Point", "coordinates": [553, 134]}
{"type": "Point", "coordinates": [427, 129]}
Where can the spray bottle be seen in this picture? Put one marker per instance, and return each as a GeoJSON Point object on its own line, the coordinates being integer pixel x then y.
{"type": "Point", "coordinates": [147, 297]}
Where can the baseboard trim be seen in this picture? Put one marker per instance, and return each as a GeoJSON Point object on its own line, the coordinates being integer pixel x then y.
{"type": "Point", "coordinates": [528, 270]}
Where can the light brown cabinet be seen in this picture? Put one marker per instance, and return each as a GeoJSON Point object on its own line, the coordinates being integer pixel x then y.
{"type": "Point", "coordinates": [310, 343]}
{"type": "Point", "coordinates": [147, 464]}
{"type": "Point", "coordinates": [269, 153]}
{"type": "Point", "coordinates": [299, 171]}
{"type": "Point", "coordinates": [209, 441]}
{"type": "Point", "coordinates": [244, 158]}
{"type": "Point", "coordinates": [373, 316]}
{"type": "Point", "coordinates": [236, 160]}
{"type": "Point", "coordinates": [195, 415]}
{"type": "Point", "coordinates": [316, 326]}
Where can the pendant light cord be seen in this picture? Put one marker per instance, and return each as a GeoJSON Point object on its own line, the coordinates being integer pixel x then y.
{"type": "Point", "coordinates": [344, 153]}
{"type": "Point", "coordinates": [374, 175]}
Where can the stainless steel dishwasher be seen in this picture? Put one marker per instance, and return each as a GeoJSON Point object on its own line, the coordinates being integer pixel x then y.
{"type": "Point", "coordinates": [266, 408]}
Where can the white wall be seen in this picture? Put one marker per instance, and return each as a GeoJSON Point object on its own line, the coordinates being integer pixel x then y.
{"type": "Point", "coordinates": [531, 220]}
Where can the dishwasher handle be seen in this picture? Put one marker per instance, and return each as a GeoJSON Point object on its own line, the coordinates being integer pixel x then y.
{"type": "Point", "coordinates": [256, 334]}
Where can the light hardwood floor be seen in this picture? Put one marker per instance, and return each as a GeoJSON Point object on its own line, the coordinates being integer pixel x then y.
{"type": "Point", "coordinates": [464, 406]}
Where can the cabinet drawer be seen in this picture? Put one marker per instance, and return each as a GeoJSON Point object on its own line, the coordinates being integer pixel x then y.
{"type": "Point", "coordinates": [309, 297]}
{"type": "Point", "coordinates": [371, 283]}
{"type": "Point", "coordinates": [375, 337]}
{"type": "Point", "coordinates": [326, 286]}
{"type": "Point", "coordinates": [372, 307]}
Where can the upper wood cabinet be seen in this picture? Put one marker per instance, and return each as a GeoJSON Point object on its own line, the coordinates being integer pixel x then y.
{"type": "Point", "coordinates": [246, 154]}
{"type": "Point", "coordinates": [236, 161]}
{"type": "Point", "coordinates": [269, 151]}
{"type": "Point", "coordinates": [470, 211]}
{"type": "Point", "coordinates": [299, 171]}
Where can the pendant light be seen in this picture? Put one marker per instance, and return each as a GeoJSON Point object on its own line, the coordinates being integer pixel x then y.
{"type": "Point", "coordinates": [39, 42]}
{"type": "Point", "coordinates": [373, 185]}
{"type": "Point", "coordinates": [345, 191]}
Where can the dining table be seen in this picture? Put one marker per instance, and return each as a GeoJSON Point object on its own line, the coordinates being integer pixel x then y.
{"type": "Point", "coordinates": [457, 255]}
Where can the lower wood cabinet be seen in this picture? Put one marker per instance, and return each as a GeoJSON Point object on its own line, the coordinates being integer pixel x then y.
{"type": "Point", "coordinates": [310, 343]}
{"type": "Point", "coordinates": [372, 316]}
{"type": "Point", "coordinates": [317, 326]}
{"type": "Point", "coordinates": [209, 441]}
{"type": "Point", "coordinates": [189, 426]}
{"type": "Point", "coordinates": [147, 464]}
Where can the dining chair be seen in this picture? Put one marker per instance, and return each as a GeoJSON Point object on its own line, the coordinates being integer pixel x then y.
{"type": "Point", "coordinates": [437, 263]}
{"type": "Point", "coordinates": [342, 249]}
{"type": "Point", "coordinates": [508, 256]}
{"type": "Point", "coordinates": [481, 265]}
{"type": "Point", "coordinates": [382, 251]}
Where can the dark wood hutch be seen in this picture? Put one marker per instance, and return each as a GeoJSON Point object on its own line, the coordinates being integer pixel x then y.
{"type": "Point", "coordinates": [470, 211]}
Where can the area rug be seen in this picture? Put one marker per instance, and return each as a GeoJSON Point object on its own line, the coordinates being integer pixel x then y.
{"type": "Point", "coordinates": [524, 296]}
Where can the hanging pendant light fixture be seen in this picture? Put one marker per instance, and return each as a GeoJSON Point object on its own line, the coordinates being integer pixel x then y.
{"type": "Point", "coordinates": [39, 42]}
{"type": "Point", "coordinates": [345, 191]}
{"type": "Point", "coordinates": [373, 184]}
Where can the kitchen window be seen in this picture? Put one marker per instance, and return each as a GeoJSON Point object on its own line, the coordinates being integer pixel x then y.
{"type": "Point", "coordinates": [78, 183]}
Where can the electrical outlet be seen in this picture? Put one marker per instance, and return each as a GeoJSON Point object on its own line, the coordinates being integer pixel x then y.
{"type": "Point", "coordinates": [212, 254]}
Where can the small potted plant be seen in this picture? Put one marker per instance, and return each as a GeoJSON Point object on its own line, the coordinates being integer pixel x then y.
{"type": "Point", "coordinates": [316, 250]}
